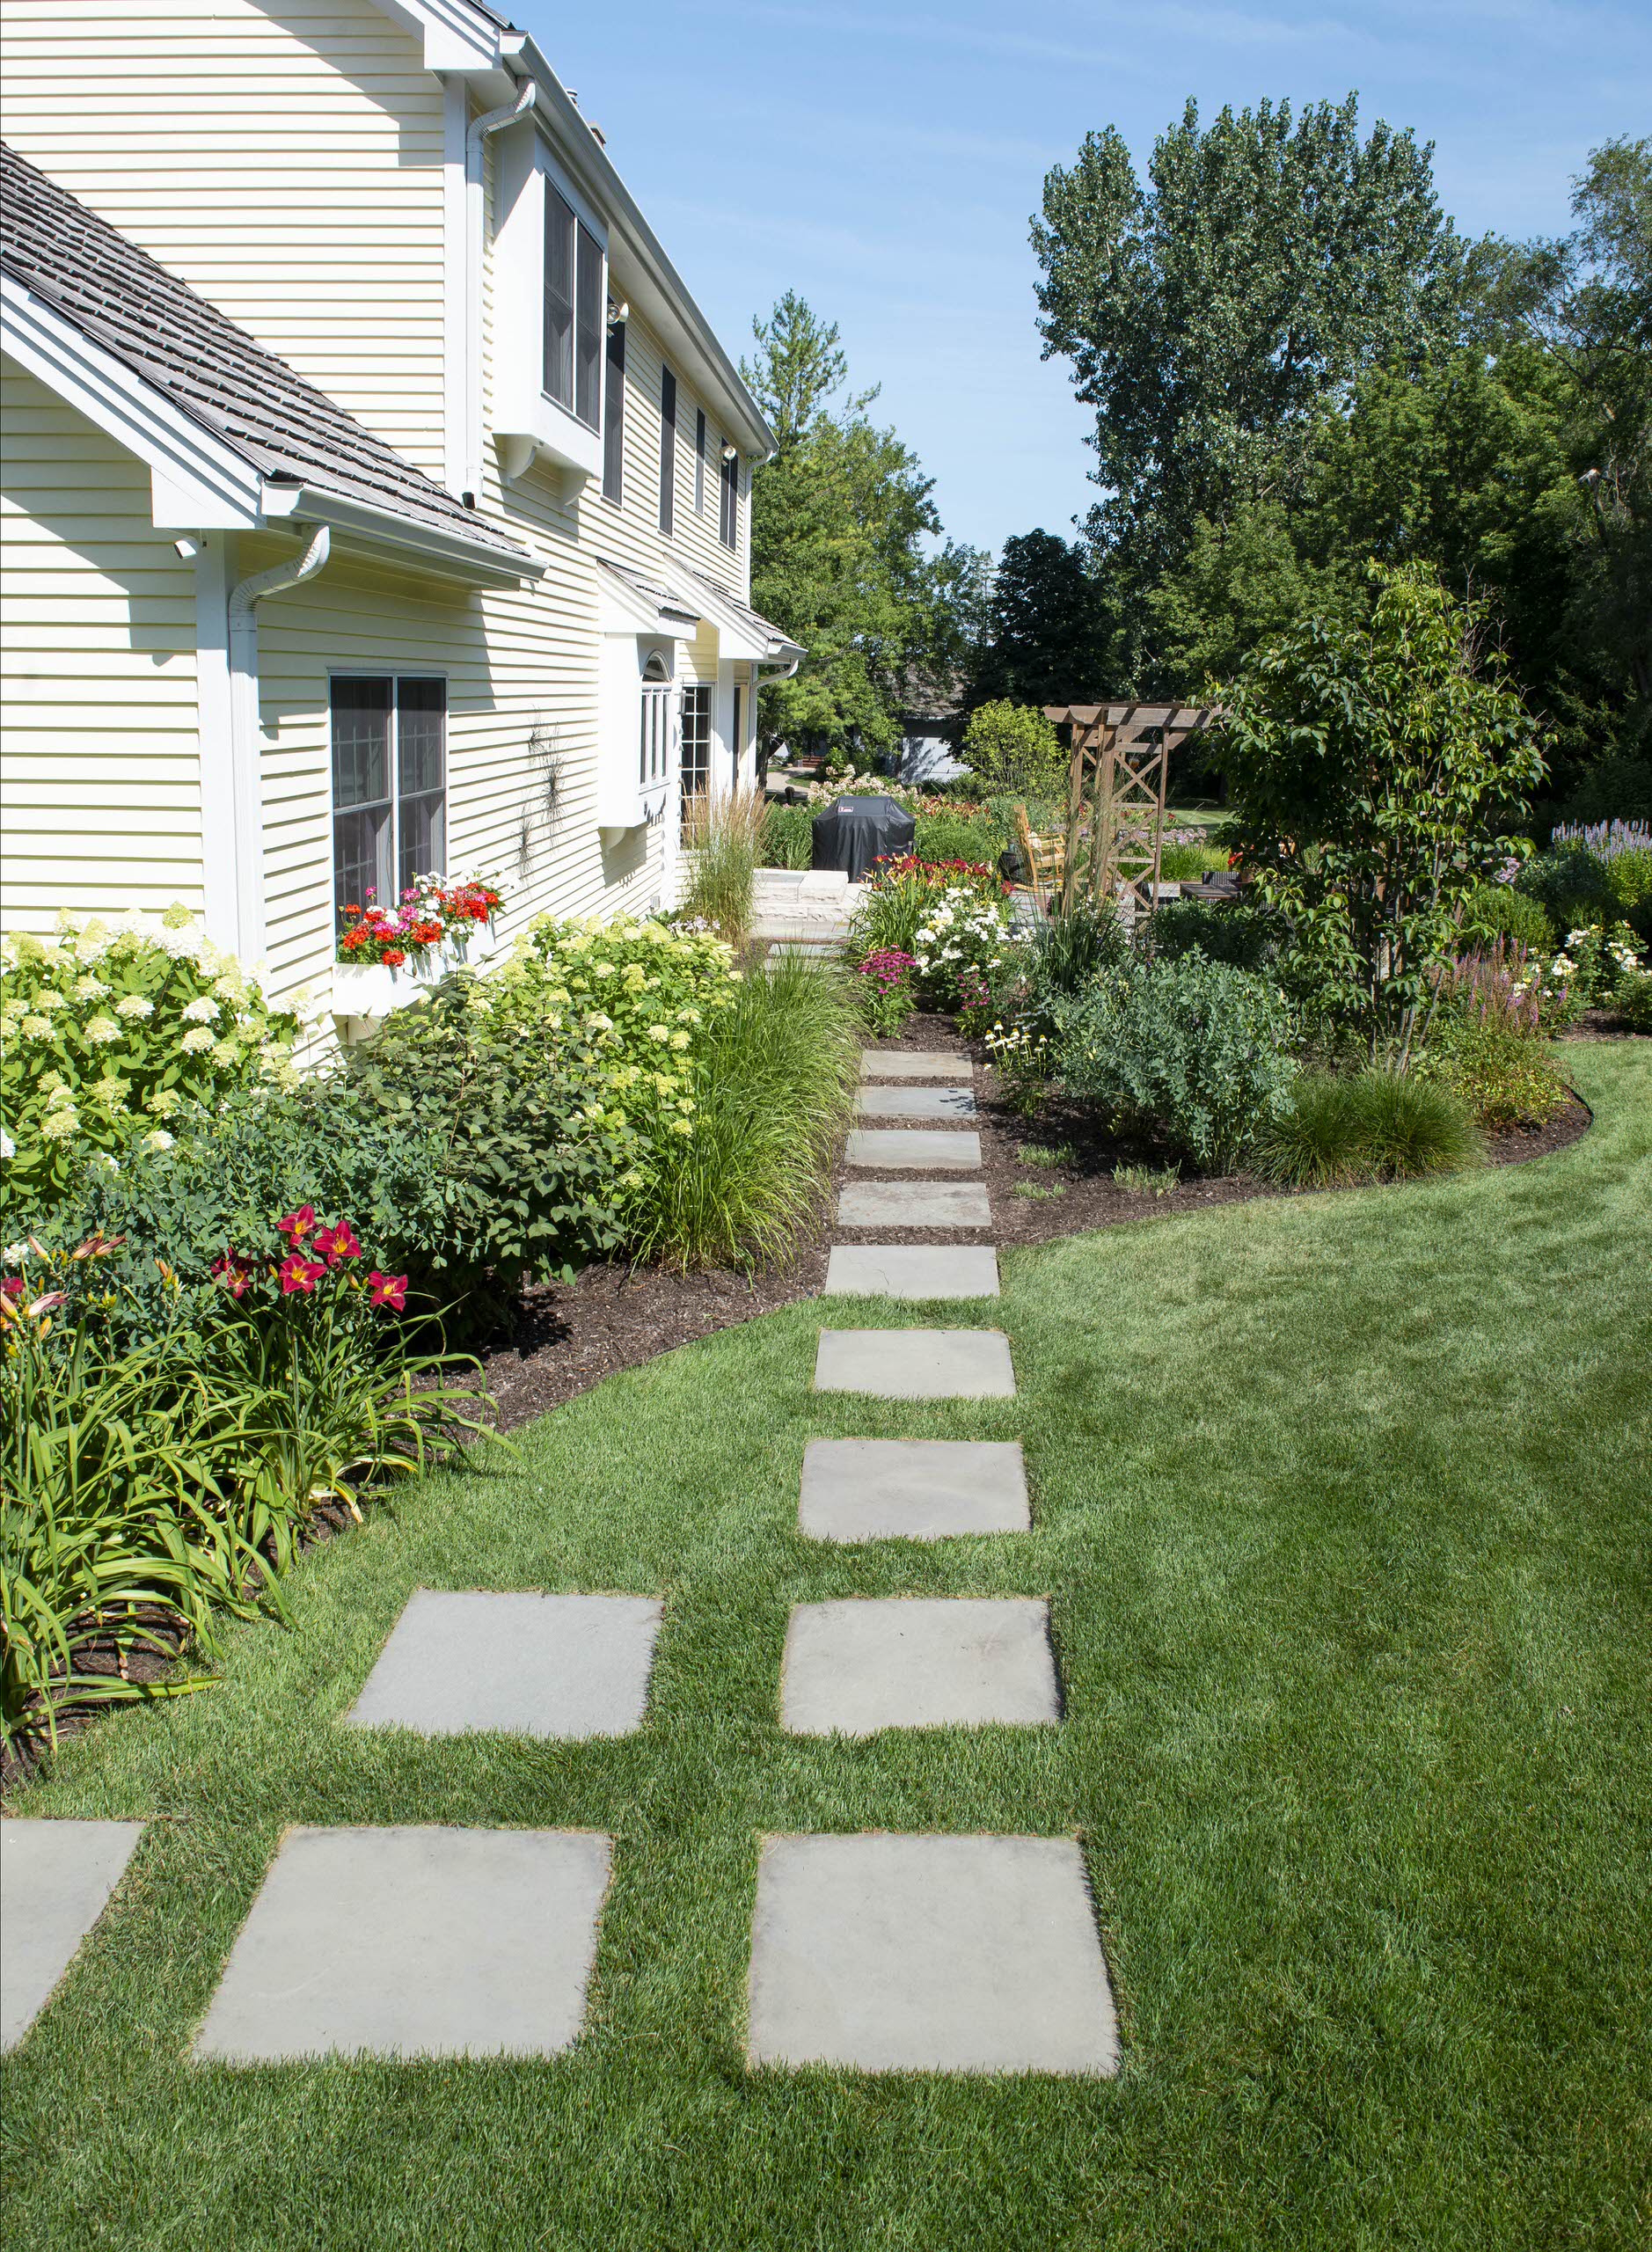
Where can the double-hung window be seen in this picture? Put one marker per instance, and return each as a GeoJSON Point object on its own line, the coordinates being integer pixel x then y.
{"type": "Point", "coordinates": [668, 450]}
{"type": "Point", "coordinates": [389, 783]}
{"type": "Point", "coordinates": [729, 514]}
{"type": "Point", "coordinates": [697, 739]}
{"type": "Point", "coordinates": [573, 300]}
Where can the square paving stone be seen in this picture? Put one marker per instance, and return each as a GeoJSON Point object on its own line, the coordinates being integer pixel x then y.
{"type": "Point", "coordinates": [548, 1665]}
{"type": "Point", "coordinates": [854, 1667]}
{"type": "Point", "coordinates": [915, 1102]}
{"type": "Point", "coordinates": [913, 1064]}
{"type": "Point", "coordinates": [912, 1270]}
{"type": "Point", "coordinates": [911, 1489]}
{"type": "Point", "coordinates": [916, 1364]}
{"type": "Point", "coordinates": [912, 1149]}
{"type": "Point", "coordinates": [55, 1879]}
{"type": "Point", "coordinates": [914, 1205]}
{"type": "Point", "coordinates": [929, 1954]}
{"type": "Point", "coordinates": [414, 1942]}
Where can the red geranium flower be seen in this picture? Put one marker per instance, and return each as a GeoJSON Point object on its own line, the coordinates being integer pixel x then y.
{"type": "Point", "coordinates": [394, 957]}
{"type": "Point", "coordinates": [297, 1225]}
{"type": "Point", "coordinates": [339, 1241]}
{"type": "Point", "coordinates": [388, 1289]}
{"type": "Point", "coordinates": [298, 1273]}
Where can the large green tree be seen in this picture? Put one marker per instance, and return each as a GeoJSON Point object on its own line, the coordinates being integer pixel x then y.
{"type": "Point", "coordinates": [840, 522]}
{"type": "Point", "coordinates": [1048, 632]}
{"type": "Point", "coordinates": [1212, 311]}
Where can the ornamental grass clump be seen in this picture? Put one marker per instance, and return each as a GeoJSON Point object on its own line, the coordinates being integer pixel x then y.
{"type": "Point", "coordinates": [109, 1032]}
{"type": "Point", "coordinates": [1342, 1131]}
{"type": "Point", "coordinates": [774, 1088]}
{"type": "Point", "coordinates": [722, 839]}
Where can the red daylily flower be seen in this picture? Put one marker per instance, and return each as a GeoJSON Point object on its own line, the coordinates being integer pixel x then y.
{"type": "Point", "coordinates": [297, 1225]}
{"type": "Point", "coordinates": [234, 1272]}
{"type": "Point", "coordinates": [12, 1287]}
{"type": "Point", "coordinates": [339, 1241]}
{"type": "Point", "coordinates": [298, 1274]}
{"type": "Point", "coordinates": [388, 1289]}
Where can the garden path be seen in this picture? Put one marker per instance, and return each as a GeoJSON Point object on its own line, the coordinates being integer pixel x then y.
{"type": "Point", "coordinates": [929, 1951]}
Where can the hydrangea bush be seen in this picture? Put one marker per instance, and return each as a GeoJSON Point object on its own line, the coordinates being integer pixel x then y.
{"type": "Point", "coordinates": [107, 1031]}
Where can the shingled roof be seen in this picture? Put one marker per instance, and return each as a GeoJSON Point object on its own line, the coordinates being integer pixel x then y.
{"type": "Point", "coordinates": [210, 370]}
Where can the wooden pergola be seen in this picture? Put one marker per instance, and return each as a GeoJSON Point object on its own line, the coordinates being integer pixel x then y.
{"type": "Point", "coordinates": [1120, 765]}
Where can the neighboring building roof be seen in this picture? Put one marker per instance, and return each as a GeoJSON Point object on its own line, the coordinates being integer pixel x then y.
{"type": "Point", "coordinates": [210, 370]}
{"type": "Point", "coordinates": [762, 629]}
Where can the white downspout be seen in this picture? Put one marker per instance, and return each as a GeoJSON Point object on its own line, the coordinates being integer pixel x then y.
{"type": "Point", "coordinates": [492, 121]}
{"type": "Point", "coordinates": [245, 765]}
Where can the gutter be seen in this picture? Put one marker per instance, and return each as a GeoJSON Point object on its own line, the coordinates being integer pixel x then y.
{"type": "Point", "coordinates": [481, 562]}
{"type": "Point", "coordinates": [246, 777]}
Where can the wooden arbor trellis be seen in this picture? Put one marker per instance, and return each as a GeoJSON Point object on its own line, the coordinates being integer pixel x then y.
{"type": "Point", "coordinates": [1115, 796]}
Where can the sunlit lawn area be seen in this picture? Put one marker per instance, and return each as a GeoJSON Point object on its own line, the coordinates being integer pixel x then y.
{"type": "Point", "coordinates": [1342, 1503]}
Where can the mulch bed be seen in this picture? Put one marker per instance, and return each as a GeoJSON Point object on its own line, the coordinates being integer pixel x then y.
{"type": "Point", "coordinates": [572, 1335]}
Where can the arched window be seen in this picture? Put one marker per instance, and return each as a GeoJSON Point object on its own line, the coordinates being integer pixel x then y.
{"type": "Point", "coordinates": [654, 748]}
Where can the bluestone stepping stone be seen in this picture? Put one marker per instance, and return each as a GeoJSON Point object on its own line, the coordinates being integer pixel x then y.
{"type": "Point", "coordinates": [914, 1205]}
{"type": "Point", "coordinates": [912, 1270]}
{"type": "Point", "coordinates": [915, 1102]}
{"type": "Point", "coordinates": [55, 1879]}
{"type": "Point", "coordinates": [854, 1667]}
{"type": "Point", "coordinates": [548, 1665]}
{"type": "Point", "coordinates": [913, 1064]}
{"type": "Point", "coordinates": [913, 1149]}
{"type": "Point", "coordinates": [414, 1942]}
{"type": "Point", "coordinates": [916, 1364]}
{"type": "Point", "coordinates": [911, 1489]}
{"type": "Point", "coordinates": [928, 1954]}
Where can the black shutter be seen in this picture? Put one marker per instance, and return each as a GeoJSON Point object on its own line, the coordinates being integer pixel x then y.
{"type": "Point", "coordinates": [699, 462]}
{"type": "Point", "coordinates": [668, 449]}
{"type": "Point", "coordinates": [728, 515]}
{"type": "Point", "coordinates": [587, 353]}
{"type": "Point", "coordinates": [614, 416]}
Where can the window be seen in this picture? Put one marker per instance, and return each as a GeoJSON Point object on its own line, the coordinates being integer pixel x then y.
{"type": "Point", "coordinates": [667, 449]}
{"type": "Point", "coordinates": [697, 740]}
{"type": "Point", "coordinates": [654, 748]}
{"type": "Point", "coordinates": [699, 461]}
{"type": "Point", "coordinates": [729, 516]}
{"type": "Point", "coordinates": [614, 416]}
{"type": "Point", "coordinates": [389, 784]}
{"type": "Point", "coordinates": [573, 309]}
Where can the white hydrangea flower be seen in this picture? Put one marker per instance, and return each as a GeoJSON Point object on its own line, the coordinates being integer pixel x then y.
{"type": "Point", "coordinates": [204, 1011]}
{"type": "Point", "coordinates": [90, 989]}
{"type": "Point", "coordinates": [61, 1125]}
{"type": "Point", "coordinates": [160, 1139]}
{"type": "Point", "coordinates": [8, 1147]}
{"type": "Point", "coordinates": [196, 1040]}
{"type": "Point", "coordinates": [102, 1030]}
{"type": "Point", "coordinates": [134, 1005]}
{"type": "Point", "coordinates": [36, 1027]}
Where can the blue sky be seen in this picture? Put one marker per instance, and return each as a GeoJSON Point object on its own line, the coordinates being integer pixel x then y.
{"type": "Point", "coordinates": [885, 162]}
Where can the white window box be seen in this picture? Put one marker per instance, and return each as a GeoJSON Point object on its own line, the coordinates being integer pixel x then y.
{"type": "Point", "coordinates": [371, 990]}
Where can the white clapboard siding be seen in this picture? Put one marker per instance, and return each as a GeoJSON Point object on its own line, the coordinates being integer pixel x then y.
{"type": "Point", "coordinates": [99, 779]}
{"type": "Point", "coordinates": [284, 156]}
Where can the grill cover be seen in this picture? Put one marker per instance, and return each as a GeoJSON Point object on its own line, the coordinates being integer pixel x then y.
{"type": "Point", "coordinates": [853, 832]}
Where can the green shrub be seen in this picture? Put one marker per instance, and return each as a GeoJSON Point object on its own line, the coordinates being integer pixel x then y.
{"type": "Point", "coordinates": [1629, 881]}
{"type": "Point", "coordinates": [957, 837]}
{"type": "Point", "coordinates": [1339, 1130]}
{"type": "Point", "coordinates": [1571, 883]}
{"type": "Point", "coordinates": [1013, 747]}
{"type": "Point", "coordinates": [1244, 937]}
{"type": "Point", "coordinates": [109, 1032]}
{"type": "Point", "coordinates": [788, 837]}
{"type": "Point", "coordinates": [1504, 1077]}
{"type": "Point", "coordinates": [773, 1087]}
{"type": "Point", "coordinates": [1497, 910]}
{"type": "Point", "coordinates": [1191, 1053]}
{"type": "Point", "coordinates": [1186, 863]}
{"type": "Point", "coordinates": [1634, 1003]}
{"type": "Point", "coordinates": [961, 945]}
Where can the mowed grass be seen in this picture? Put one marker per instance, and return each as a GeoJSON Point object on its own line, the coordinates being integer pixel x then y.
{"type": "Point", "coordinates": [1342, 1503]}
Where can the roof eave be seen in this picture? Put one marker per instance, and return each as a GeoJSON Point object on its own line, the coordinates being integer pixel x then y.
{"type": "Point", "coordinates": [478, 562]}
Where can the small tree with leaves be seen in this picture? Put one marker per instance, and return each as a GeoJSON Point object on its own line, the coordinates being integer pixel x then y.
{"type": "Point", "coordinates": [1369, 767]}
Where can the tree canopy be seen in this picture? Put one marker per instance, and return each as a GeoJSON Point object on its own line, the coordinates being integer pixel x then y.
{"type": "Point", "coordinates": [1047, 633]}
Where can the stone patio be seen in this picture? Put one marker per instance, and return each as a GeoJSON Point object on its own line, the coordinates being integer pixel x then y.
{"type": "Point", "coordinates": [545, 1666]}
{"type": "Point", "coordinates": [414, 1942]}
{"type": "Point", "coordinates": [911, 1489]}
{"type": "Point", "coordinates": [855, 1667]}
{"type": "Point", "coordinates": [928, 1954]}
{"type": "Point", "coordinates": [55, 1879]}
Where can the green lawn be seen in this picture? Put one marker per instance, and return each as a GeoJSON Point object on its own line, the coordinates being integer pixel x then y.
{"type": "Point", "coordinates": [1343, 1505]}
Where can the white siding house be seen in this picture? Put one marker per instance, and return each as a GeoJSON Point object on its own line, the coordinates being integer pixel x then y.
{"type": "Point", "coordinates": [348, 398]}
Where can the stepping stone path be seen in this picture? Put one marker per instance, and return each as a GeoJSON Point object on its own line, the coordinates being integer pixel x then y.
{"type": "Point", "coordinates": [928, 1952]}
{"type": "Point", "coordinates": [414, 1942]}
{"type": "Point", "coordinates": [55, 1879]}
{"type": "Point", "coordinates": [855, 1667]}
{"type": "Point", "coordinates": [877, 1952]}
{"type": "Point", "coordinates": [549, 1665]}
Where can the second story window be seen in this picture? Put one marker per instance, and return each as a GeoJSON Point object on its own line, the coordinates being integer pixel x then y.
{"type": "Point", "coordinates": [574, 298]}
{"type": "Point", "coordinates": [668, 450]}
{"type": "Point", "coordinates": [729, 514]}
